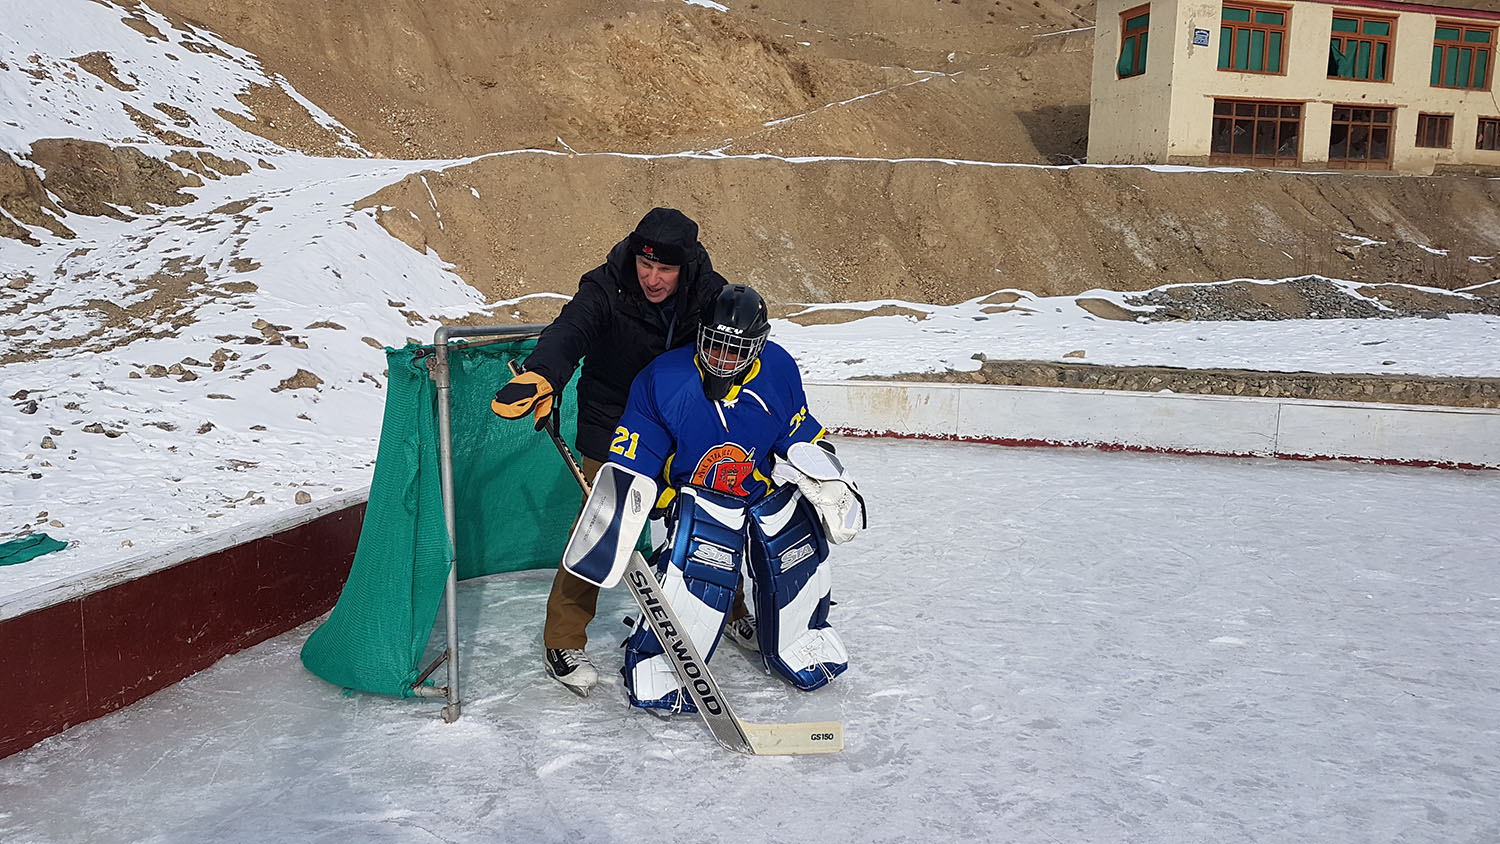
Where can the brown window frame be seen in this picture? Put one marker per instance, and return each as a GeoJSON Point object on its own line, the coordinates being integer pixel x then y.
{"type": "Point", "coordinates": [1435, 131]}
{"type": "Point", "coordinates": [1360, 37]}
{"type": "Point", "coordinates": [1141, 34]}
{"type": "Point", "coordinates": [1440, 50]}
{"type": "Point", "coordinates": [1229, 43]}
{"type": "Point", "coordinates": [1372, 127]}
{"type": "Point", "coordinates": [1247, 117]}
{"type": "Point", "coordinates": [1492, 136]}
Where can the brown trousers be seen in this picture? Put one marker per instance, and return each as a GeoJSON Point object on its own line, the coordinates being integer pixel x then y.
{"type": "Point", "coordinates": [574, 601]}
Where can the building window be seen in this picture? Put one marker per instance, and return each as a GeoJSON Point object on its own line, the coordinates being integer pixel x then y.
{"type": "Point", "coordinates": [1489, 133]}
{"type": "Point", "coordinates": [1252, 38]}
{"type": "Point", "coordinates": [1461, 56]}
{"type": "Point", "coordinates": [1134, 26]}
{"type": "Point", "coordinates": [1256, 132]}
{"type": "Point", "coordinates": [1360, 138]}
{"type": "Point", "coordinates": [1359, 46]}
{"type": "Point", "coordinates": [1435, 130]}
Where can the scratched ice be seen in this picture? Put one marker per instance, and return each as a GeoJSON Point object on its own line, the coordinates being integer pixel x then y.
{"type": "Point", "coordinates": [1048, 645]}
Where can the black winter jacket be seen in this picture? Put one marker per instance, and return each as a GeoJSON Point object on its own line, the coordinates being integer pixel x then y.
{"type": "Point", "coordinates": [612, 327]}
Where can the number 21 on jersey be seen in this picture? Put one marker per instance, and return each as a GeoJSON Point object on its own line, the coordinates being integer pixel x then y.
{"type": "Point", "coordinates": [797, 420]}
{"type": "Point", "coordinates": [617, 445]}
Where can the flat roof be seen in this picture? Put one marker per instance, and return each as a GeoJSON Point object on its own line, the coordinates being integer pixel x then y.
{"type": "Point", "coordinates": [1483, 9]}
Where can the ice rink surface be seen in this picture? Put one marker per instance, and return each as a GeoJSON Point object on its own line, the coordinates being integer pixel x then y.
{"type": "Point", "coordinates": [1047, 645]}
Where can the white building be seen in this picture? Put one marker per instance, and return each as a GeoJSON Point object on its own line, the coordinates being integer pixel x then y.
{"type": "Point", "coordinates": [1309, 84]}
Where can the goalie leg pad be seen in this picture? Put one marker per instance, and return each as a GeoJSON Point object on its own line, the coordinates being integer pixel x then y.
{"type": "Point", "coordinates": [792, 583]}
{"type": "Point", "coordinates": [609, 526]}
{"type": "Point", "coordinates": [698, 570]}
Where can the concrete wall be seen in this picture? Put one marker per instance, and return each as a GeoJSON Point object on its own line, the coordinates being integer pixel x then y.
{"type": "Point", "coordinates": [1165, 422]}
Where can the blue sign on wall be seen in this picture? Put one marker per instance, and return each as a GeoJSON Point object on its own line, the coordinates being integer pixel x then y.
{"type": "Point", "coordinates": [1200, 38]}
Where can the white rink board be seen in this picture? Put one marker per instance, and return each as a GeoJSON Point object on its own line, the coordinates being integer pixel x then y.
{"type": "Point", "coordinates": [1171, 422]}
{"type": "Point", "coordinates": [1083, 417]}
{"type": "Point", "coordinates": [1464, 436]}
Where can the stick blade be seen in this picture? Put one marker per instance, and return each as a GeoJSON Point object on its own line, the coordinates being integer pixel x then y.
{"type": "Point", "coordinates": [795, 739]}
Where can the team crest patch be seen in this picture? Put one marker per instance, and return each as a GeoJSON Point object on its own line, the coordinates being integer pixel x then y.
{"type": "Point", "coordinates": [725, 468]}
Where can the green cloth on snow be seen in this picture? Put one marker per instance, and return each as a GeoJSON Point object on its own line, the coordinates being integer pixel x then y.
{"type": "Point", "coordinates": [28, 548]}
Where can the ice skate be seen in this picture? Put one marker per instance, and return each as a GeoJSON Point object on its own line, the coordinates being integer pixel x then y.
{"type": "Point", "coordinates": [572, 668]}
{"type": "Point", "coordinates": [741, 631]}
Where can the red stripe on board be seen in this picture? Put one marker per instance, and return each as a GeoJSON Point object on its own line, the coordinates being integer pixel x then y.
{"type": "Point", "coordinates": [64, 664]}
{"type": "Point", "coordinates": [1031, 443]}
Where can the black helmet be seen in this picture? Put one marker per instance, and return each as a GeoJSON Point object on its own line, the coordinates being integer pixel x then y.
{"type": "Point", "coordinates": [731, 333]}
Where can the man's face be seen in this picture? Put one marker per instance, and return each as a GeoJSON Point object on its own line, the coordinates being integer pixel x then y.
{"type": "Point", "coordinates": [658, 280]}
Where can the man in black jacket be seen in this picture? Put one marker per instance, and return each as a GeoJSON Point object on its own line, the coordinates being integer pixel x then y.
{"type": "Point", "coordinates": [643, 300]}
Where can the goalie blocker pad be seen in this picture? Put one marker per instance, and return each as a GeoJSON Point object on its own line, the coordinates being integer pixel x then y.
{"type": "Point", "coordinates": [792, 583]}
{"type": "Point", "coordinates": [699, 570]}
{"type": "Point", "coordinates": [609, 526]}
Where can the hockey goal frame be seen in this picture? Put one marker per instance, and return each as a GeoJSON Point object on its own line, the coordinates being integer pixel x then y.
{"type": "Point", "coordinates": [441, 375]}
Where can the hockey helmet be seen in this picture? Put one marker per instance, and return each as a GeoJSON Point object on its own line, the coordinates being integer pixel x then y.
{"type": "Point", "coordinates": [731, 333]}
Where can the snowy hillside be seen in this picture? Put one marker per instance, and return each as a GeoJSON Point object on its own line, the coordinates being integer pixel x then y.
{"type": "Point", "coordinates": [77, 69]}
{"type": "Point", "coordinates": [178, 372]}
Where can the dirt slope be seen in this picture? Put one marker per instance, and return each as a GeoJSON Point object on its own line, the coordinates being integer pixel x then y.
{"type": "Point", "coordinates": [974, 80]}
{"type": "Point", "coordinates": [933, 232]}
{"type": "Point", "coordinates": [440, 78]}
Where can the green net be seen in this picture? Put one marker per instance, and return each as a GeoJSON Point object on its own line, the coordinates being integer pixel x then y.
{"type": "Point", "coordinates": [515, 503]}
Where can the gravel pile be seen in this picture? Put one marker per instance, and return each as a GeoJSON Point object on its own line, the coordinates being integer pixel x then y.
{"type": "Point", "coordinates": [1308, 297]}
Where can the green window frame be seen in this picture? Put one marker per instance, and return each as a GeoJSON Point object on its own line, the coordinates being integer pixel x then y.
{"type": "Point", "coordinates": [1252, 38]}
{"type": "Point", "coordinates": [1462, 55]}
{"type": "Point", "coordinates": [1135, 28]}
{"type": "Point", "coordinates": [1360, 46]}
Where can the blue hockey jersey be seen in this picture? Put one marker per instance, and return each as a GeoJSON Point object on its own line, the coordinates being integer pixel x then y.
{"type": "Point", "coordinates": [671, 430]}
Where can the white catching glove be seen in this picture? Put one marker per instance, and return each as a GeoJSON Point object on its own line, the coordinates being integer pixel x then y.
{"type": "Point", "coordinates": [826, 484]}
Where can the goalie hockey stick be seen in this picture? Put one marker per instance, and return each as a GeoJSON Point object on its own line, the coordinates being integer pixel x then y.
{"type": "Point", "coordinates": [784, 739]}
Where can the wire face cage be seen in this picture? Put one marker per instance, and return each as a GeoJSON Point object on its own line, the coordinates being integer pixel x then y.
{"type": "Point", "coordinates": [725, 353]}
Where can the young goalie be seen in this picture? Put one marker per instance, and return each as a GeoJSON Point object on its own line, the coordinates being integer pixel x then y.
{"type": "Point", "coordinates": [749, 485]}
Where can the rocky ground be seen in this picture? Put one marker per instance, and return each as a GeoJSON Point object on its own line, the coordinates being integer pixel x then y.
{"type": "Point", "coordinates": [1308, 297]}
{"type": "Point", "coordinates": [1396, 389]}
